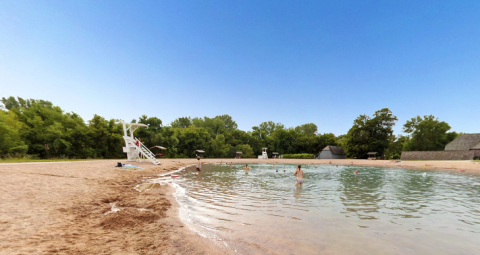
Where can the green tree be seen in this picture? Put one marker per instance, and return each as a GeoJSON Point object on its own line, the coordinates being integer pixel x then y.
{"type": "Point", "coordinates": [395, 147]}
{"type": "Point", "coordinates": [308, 129]}
{"type": "Point", "coordinates": [10, 134]}
{"type": "Point", "coordinates": [191, 139]}
{"type": "Point", "coordinates": [182, 122]}
{"type": "Point", "coordinates": [370, 134]}
{"type": "Point", "coordinates": [427, 134]}
{"type": "Point", "coordinates": [246, 150]}
{"type": "Point", "coordinates": [230, 124]}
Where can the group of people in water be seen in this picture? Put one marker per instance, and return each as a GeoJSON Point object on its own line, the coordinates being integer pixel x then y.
{"type": "Point", "coordinates": [298, 172]}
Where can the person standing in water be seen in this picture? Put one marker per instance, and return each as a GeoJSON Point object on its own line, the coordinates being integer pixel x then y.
{"type": "Point", "coordinates": [300, 174]}
{"type": "Point", "coordinates": [199, 166]}
{"type": "Point", "coordinates": [246, 168]}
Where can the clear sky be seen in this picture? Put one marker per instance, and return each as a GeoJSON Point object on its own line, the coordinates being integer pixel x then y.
{"type": "Point", "coordinates": [292, 62]}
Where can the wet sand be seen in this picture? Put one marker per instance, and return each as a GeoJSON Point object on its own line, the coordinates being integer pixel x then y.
{"type": "Point", "coordinates": [62, 207]}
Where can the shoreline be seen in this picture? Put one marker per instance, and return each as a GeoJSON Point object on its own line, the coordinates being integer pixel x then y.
{"type": "Point", "coordinates": [57, 207]}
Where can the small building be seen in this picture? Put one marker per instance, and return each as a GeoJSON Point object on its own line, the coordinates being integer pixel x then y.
{"type": "Point", "coordinates": [464, 147]}
{"type": "Point", "coordinates": [332, 152]}
{"type": "Point", "coordinates": [465, 142]}
{"type": "Point", "coordinates": [239, 154]}
{"type": "Point", "coordinates": [275, 154]}
{"type": "Point", "coordinates": [372, 154]}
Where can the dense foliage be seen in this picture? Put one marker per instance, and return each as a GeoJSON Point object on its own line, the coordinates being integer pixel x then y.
{"type": "Point", "coordinates": [370, 134]}
{"type": "Point", "coordinates": [427, 134]}
{"type": "Point", "coordinates": [39, 129]}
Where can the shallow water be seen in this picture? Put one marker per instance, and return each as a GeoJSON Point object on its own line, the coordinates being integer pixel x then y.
{"type": "Point", "coordinates": [378, 211]}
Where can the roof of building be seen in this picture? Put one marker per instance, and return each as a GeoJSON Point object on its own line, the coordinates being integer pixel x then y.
{"type": "Point", "coordinates": [239, 152]}
{"type": "Point", "coordinates": [335, 150]}
{"type": "Point", "coordinates": [158, 147]}
{"type": "Point", "coordinates": [372, 153]}
{"type": "Point", "coordinates": [464, 142]}
{"type": "Point", "coordinates": [200, 151]}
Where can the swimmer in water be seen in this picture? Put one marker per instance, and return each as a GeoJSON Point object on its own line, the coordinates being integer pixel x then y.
{"type": "Point", "coordinates": [284, 170]}
{"type": "Point", "coordinates": [276, 170]}
{"type": "Point", "coordinates": [300, 174]}
{"type": "Point", "coordinates": [356, 172]}
{"type": "Point", "coordinates": [246, 168]}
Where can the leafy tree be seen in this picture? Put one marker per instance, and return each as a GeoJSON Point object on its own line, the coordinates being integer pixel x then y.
{"type": "Point", "coordinates": [218, 148]}
{"type": "Point", "coordinates": [10, 134]}
{"type": "Point", "coordinates": [427, 134]}
{"type": "Point", "coordinates": [396, 145]}
{"type": "Point", "coordinates": [283, 140]}
{"type": "Point", "coordinates": [191, 139]}
{"type": "Point", "coordinates": [246, 150]}
{"type": "Point", "coordinates": [106, 136]}
{"type": "Point", "coordinates": [308, 129]}
{"type": "Point", "coordinates": [267, 128]}
{"type": "Point", "coordinates": [370, 134]}
{"type": "Point", "coordinates": [213, 126]}
{"type": "Point", "coordinates": [230, 124]}
{"type": "Point", "coordinates": [182, 122]}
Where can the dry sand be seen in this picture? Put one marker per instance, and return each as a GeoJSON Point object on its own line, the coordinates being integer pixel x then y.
{"type": "Point", "coordinates": [62, 207]}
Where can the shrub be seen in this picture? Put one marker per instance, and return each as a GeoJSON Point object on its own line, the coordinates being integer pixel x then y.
{"type": "Point", "coordinates": [301, 156]}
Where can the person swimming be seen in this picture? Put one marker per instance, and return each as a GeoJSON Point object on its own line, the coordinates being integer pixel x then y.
{"type": "Point", "coordinates": [300, 174]}
{"type": "Point", "coordinates": [356, 172]}
{"type": "Point", "coordinates": [246, 168]}
{"type": "Point", "coordinates": [276, 170]}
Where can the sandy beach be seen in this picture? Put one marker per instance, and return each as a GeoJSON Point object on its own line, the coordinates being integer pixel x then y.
{"type": "Point", "coordinates": [66, 207]}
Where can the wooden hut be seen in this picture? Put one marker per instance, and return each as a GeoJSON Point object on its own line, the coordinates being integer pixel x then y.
{"type": "Point", "coordinates": [332, 152]}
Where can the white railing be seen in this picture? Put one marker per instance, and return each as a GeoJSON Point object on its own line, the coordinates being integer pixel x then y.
{"type": "Point", "coordinates": [145, 152]}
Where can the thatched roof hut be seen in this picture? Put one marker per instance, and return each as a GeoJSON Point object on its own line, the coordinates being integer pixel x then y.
{"type": "Point", "coordinates": [464, 142]}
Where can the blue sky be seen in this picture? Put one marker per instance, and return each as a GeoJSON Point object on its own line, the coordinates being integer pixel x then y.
{"type": "Point", "coordinates": [292, 62]}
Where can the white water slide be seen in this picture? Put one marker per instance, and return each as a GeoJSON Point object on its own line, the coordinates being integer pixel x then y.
{"type": "Point", "coordinates": [136, 150]}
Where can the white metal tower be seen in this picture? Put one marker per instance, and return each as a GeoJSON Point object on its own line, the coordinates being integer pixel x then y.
{"type": "Point", "coordinates": [135, 149]}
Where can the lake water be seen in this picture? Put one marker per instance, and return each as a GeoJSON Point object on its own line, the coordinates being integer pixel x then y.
{"type": "Point", "coordinates": [378, 211]}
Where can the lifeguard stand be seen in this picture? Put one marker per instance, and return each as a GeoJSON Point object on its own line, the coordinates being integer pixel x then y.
{"type": "Point", "coordinates": [136, 150]}
{"type": "Point", "coordinates": [264, 153]}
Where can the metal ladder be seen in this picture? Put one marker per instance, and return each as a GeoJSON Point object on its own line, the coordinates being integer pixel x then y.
{"type": "Point", "coordinates": [145, 152]}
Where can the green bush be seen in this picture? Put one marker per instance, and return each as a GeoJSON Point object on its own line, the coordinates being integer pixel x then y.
{"type": "Point", "coordinates": [302, 156]}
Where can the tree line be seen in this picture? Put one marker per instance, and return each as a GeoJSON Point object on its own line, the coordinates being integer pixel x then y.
{"type": "Point", "coordinates": [39, 129]}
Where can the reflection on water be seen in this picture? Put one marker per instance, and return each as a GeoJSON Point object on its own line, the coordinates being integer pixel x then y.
{"type": "Point", "coordinates": [383, 211]}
